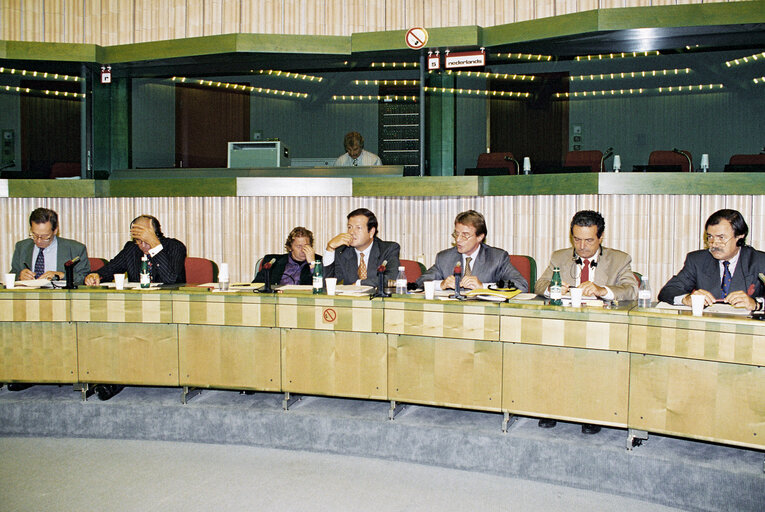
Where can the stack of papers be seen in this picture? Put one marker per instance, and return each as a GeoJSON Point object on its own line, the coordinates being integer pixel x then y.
{"type": "Point", "coordinates": [491, 294]}
{"type": "Point", "coordinates": [38, 283]}
{"type": "Point", "coordinates": [133, 286]}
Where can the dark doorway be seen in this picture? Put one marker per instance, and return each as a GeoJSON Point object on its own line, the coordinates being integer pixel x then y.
{"type": "Point", "coordinates": [206, 120]}
{"type": "Point", "coordinates": [536, 126]}
{"type": "Point", "coordinates": [50, 130]}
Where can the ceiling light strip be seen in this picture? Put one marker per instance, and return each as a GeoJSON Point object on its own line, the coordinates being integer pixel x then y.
{"type": "Point", "coordinates": [40, 74]}
{"type": "Point", "coordinates": [621, 55]}
{"type": "Point", "coordinates": [240, 87]}
{"type": "Point", "coordinates": [757, 57]}
{"type": "Point", "coordinates": [633, 74]}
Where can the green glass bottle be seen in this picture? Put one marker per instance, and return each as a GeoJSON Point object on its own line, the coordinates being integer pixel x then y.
{"type": "Point", "coordinates": [318, 279]}
{"type": "Point", "coordinates": [145, 275]}
{"type": "Point", "coordinates": [556, 288]}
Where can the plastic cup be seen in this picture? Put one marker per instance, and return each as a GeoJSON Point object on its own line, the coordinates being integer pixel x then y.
{"type": "Point", "coordinates": [576, 297]}
{"type": "Point", "coordinates": [430, 290]}
{"type": "Point", "coordinates": [697, 304]}
{"type": "Point", "coordinates": [9, 280]}
{"type": "Point", "coordinates": [119, 281]}
{"type": "Point", "coordinates": [331, 284]}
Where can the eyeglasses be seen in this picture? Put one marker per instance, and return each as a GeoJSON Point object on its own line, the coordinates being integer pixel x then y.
{"type": "Point", "coordinates": [717, 239]}
{"type": "Point", "coordinates": [462, 236]}
{"type": "Point", "coordinates": [41, 238]}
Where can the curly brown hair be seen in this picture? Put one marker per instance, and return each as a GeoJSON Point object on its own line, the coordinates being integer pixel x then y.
{"type": "Point", "coordinates": [298, 232]}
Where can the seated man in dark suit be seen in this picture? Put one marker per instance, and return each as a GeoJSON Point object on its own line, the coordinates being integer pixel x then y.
{"type": "Point", "coordinates": [167, 256]}
{"type": "Point", "coordinates": [43, 254]}
{"type": "Point", "coordinates": [296, 266]}
{"type": "Point", "coordinates": [354, 256]}
{"type": "Point", "coordinates": [481, 263]}
{"type": "Point", "coordinates": [725, 272]}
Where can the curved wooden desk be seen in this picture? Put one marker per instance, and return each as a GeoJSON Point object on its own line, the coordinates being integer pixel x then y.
{"type": "Point", "coordinates": [664, 372]}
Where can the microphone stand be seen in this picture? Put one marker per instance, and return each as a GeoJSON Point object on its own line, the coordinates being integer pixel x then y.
{"type": "Point", "coordinates": [690, 164]}
{"type": "Point", "coordinates": [381, 287]}
{"type": "Point", "coordinates": [267, 272]}
{"type": "Point", "coordinates": [608, 154]}
{"type": "Point", "coordinates": [69, 275]}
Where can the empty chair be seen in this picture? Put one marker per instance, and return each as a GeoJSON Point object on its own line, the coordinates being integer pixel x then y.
{"type": "Point", "coordinates": [494, 164]}
{"type": "Point", "coordinates": [96, 263]}
{"type": "Point", "coordinates": [413, 270]}
{"type": "Point", "coordinates": [527, 266]}
{"type": "Point", "coordinates": [583, 161]}
{"type": "Point", "coordinates": [201, 270]}
{"type": "Point", "coordinates": [661, 160]}
{"type": "Point", "coordinates": [746, 163]}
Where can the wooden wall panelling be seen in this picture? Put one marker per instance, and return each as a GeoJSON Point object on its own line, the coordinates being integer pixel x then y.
{"type": "Point", "coordinates": [38, 352]}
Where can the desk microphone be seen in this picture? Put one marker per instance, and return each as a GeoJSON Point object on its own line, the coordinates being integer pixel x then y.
{"type": "Point", "coordinates": [608, 154]}
{"type": "Point", "coordinates": [72, 261]}
{"type": "Point", "coordinates": [690, 165]}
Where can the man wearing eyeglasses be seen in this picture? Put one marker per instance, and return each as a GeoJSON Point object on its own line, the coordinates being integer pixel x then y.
{"type": "Point", "coordinates": [597, 270]}
{"type": "Point", "coordinates": [727, 271]}
{"type": "Point", "coordinates": [481, 264]}
{"type": "Point", "coordinates": [44, 253]}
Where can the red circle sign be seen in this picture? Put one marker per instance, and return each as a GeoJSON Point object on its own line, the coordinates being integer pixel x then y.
{"type": "Point", "coordinates": [416, 38]}
{"type": "Point", "coordinates": [329, 315]}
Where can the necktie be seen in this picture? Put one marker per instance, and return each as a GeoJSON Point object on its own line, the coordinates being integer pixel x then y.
{"type": "Point", "coordinates": [585, 272]}
{"type": "Point", "coordinates": [362, 267]}
{"type": "Point", "coordinates": [468, 270]}
{"type": "Point", "coordinates": [726, 279]}
{"type": "Point", "coordinates": [355, 162]}
{"type": "Point", "coordinates": [39, 264]}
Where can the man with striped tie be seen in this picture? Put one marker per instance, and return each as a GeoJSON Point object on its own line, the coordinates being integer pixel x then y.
{"type": "Point", "coordinates": [44, 253]}
{"type": "Point", "coordinates": [727, 271]}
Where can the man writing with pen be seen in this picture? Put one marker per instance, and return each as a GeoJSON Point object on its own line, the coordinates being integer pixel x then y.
{"type": "Point", "coordinates": [44, 254]}
{"type": "Point", "coordinates": [727, 271]}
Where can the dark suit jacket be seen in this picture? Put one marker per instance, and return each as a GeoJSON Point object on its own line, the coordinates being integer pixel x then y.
{"type": "Point", "coordinates": [277, 270]}
{"type": "Point", "coordinates": [167, 267]}
{"type": "Point", "coordinates": [67, 250]}
{"type": "Point", "coordinates": [491, 265]}
{"type": "Point", "coordinates": [702, 272]}
{"type": "Point", "coordinates": [345, 267]}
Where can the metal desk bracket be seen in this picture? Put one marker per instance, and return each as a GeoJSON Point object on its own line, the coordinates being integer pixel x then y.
{"type": "Point", "coordinates": [635, 438]}
{"type": "Point", "coordinates": [84, 389]}
{"type": "Point", "coordinates": [395, 409]}
{"type": "Point", "coordinates": [508, 419]}
{"type": "Point", "coordinates": [189, 393]}
{"type": "Point", "coordinates": [289, 400]}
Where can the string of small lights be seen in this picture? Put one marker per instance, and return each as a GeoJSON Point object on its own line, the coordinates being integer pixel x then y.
{"type": "Point", "coordinates": [40, 74]}
{"type": "Point", "coordinates": [525, 56]}
{"type": "Point", "coordinates": [478, 92]}
{"type": "Point", "coordinates": [240, 87]}
{"type": "Point", "coordinates": [633, 74]}
{"type": "Point", "coordinates": [621, 55]}
{"type": "Point", "coordinates": [42, 92]}
{"type": "Point", "coordinates": [289, 74]}
{"type": "Point", "coordinates": [639, 90]}
{"type": "Point", "coordinates": [746, 60]}
{"type": "Point", "coordinates": [372, 97]}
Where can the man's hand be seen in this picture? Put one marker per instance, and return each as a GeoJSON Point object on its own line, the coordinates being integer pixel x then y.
{"type": "Point", "coordinates": [26, 275]}
{"type": "Point", "coordinates": [590, 288]}
{"type": "Point", "coordinates": [469, 282]}
{"type": "Point", "coordinates": [448, 283]}
{"type": "Point", "coordinates": [341, 239]}
{"type": "Point", "coordinates": [92, 279]}
{"type": "Point", "coordinates": [51, 275]}
{"type": "Point", "coordinates": [739, 299]}
{"type": "Point", "coordinates": [144, 234]}
{"type": "Point", "coordinates": [709, 299]}
{"type": "Point", "coordinates": [310, 256]}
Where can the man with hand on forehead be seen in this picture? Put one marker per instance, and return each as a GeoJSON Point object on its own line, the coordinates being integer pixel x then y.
{"type": "Point", "coordinates": [481, 264]}
{"type": "Point", "coordinates": [167, 256]}
{"type": "Point", "coordinates": [727, 271]}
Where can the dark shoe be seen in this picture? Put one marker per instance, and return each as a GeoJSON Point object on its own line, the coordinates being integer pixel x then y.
{"type": "Point", "coordinates": [18, 386]}
{"type": "Point", "coordinates": [106, 391]}
{"type": "Point", "coordinates": [590, 429]}
{"type": "Point", "coordinates": [547, 423]}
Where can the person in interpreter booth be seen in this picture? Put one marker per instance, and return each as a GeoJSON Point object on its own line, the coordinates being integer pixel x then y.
{"type": "Point", "coordinates": [355, 154]}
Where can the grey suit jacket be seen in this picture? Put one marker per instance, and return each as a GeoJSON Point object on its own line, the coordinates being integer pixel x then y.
{"type": "Point", "coordinates": [345, 267]}
{"type": "Point", "coordinates": [491, 265]}
{"type": "Point", "coordinates": [67, 250]}
{"type": "Point", "coordinates": [701, 271]}
{"type": "Point", "coordinates": [613, 270]}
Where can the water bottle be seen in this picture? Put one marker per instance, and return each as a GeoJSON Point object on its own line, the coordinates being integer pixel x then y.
{"type": "Point", "coordinates": [318, 279]}
{"type": "Point", "coordinates": [401, 281]}
{"type": "Point", "coordinates": [145, 275]}
{"type": "Point", "coordinates": [556, 288]}
{"type": "Point", "coordinates": [644, 294]}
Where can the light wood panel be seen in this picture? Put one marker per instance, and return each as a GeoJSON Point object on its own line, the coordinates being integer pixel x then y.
{"type": "Point", "coordinates": [38, 352]}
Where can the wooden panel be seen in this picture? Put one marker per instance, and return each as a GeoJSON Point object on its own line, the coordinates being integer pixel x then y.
{"type": "Point", "coordinates": [698, 399]}
{"type": "Point", "coordinates": [38, 352]}
{"type": "Point", "coordinates": [141, 354]}
{"type": "Point", "coordinates": [128, 306]}
{"type": "Point", "coordinates": [446, 372]}
{"type": "Point", "coordinates": [589, 386]}
{"type": "Point", "coordinates": [229, 357]}
{"type": "Point", "coordinates": [477, 322]}
{"type": "Point", "coordinates": [335, 363]}
{"type": "Point", "coordinates": [18, 305]}
{"type": "Point", "coordinates": [330, 314]}
{"type": "Point", "coordinates": [219, 309]}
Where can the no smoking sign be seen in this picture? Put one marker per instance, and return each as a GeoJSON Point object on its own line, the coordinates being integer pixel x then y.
{"type": "Point", "coordinates": [416, 38]}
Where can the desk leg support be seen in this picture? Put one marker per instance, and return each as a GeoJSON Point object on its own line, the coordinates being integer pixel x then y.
{"type": "Point", "coordinates": [84, 389]}
{"type": "Point", "coordinates": [508, 419]}
{"type": "Point", "coordinates": [289, 400]}
{"type": "Point", "coordinates": [189, 393]}
{"type": "Point", "coordinates": [635, 438]}
{"type": "Point", "coordinates": [395, 409]}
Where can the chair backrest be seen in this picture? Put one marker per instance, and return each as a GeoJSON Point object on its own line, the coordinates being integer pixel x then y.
{"type": "Point", "coordinates": [96, 263]}
{"type": "Point", "coordinates": [497, 160]}
{"type": "Point", "coordinates": [413, 270]}
{"type": "Point", "coordinates": [65, 169]}
{"type": "Point", "coordinates": [638, 277]}
{"type": "Point", "coordinates": [589, 158]}
{"type": "Point", "coordinates": [662, 157]}
{"type": "Point", "coordinates": [201, 270]}
{"type": "Point", "coordinates": [527, 266]}
{"type": "Point", "coordinates": [747, 159]}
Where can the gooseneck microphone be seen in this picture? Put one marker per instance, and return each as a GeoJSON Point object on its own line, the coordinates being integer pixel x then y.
{"type": "Point", "coordinates": [517, 165]}
{"type": "Point", "coordinates": [72, 261]}
{"type": "Point", "coordinates": [606, 155]}
{"type": "Point", "coordinates": [690, 165]}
